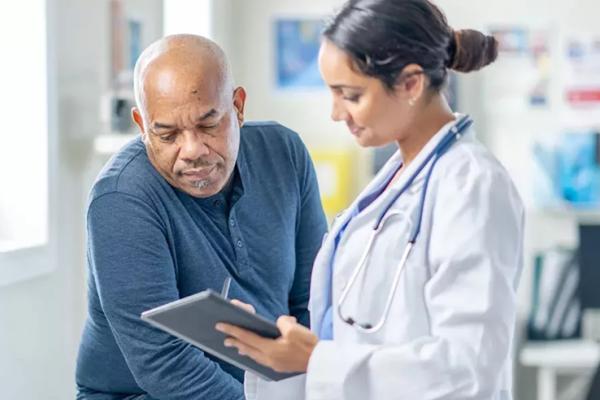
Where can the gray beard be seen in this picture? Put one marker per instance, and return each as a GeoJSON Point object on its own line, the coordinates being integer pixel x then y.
{"type": "Point", "coordinates": [202, 184]}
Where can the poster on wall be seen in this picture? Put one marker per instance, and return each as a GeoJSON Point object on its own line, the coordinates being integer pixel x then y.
{"type": "Point", "coordinates": [580, 84]}
{"type": "Point", "coordinates": [297, 42]}
{"type": "Point", "coordinates": [526, 49]}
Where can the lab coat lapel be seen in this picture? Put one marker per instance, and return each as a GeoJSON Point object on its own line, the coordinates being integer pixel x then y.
{"type": "Point", "coordinates": [416, 163]}
{"type": "Point", "coordinates": [321, 284]}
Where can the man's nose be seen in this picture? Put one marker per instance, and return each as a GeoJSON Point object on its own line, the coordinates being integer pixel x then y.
{"type": "Point", "coordinates": [193, 147]}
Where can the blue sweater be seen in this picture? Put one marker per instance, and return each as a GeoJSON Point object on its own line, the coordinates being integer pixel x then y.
{"type": "Point", "coordinates": [150, 243]}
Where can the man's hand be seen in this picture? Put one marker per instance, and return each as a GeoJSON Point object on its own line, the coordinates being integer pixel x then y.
{"type": "Point", "coordinates": [245, 306]}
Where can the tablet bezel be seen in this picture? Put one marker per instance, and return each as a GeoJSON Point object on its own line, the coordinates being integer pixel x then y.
{"type": "Point", "coordinates": [231, 314]}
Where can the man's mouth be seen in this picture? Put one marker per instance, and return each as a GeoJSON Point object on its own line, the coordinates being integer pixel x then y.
{"type": "Point", "coordinates": [198, 173]}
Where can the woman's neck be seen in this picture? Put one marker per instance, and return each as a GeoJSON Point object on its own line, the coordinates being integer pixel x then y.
{"type": "Point", "coordinates": [428, 122]}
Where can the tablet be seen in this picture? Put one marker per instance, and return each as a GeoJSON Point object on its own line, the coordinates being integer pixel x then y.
{"type": "Point", "coordinates": [193, 320]}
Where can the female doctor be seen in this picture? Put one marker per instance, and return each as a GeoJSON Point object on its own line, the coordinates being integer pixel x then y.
{"type": "Point", "coordinates": [413, 292]}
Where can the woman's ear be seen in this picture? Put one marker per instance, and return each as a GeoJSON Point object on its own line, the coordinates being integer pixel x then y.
{"type": "Point", "coordinates": [411, 83]}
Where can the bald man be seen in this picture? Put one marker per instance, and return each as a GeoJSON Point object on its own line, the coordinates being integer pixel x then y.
{"type": "Point", "coordinates": [198, 197]}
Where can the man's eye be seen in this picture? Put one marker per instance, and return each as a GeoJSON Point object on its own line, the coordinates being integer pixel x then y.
{"type": "Point", "coordinates": [207, 127]}
{"type": "Point", "coordinates": [167, 138]}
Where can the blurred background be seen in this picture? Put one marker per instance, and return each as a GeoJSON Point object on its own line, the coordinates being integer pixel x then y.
{"type": "Point", "coordinates": [66, 95]}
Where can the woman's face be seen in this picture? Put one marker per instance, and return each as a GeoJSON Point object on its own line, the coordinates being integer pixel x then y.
{"type": "Point", "coordinates": [374, 115]}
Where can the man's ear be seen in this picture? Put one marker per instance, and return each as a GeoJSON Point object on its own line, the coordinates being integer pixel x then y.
{"type": "Point", "coordinates": [139, 121]}
{"type": "Point", "coordinates": [239, 101]}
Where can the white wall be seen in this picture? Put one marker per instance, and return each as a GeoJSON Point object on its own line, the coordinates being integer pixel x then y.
{"type": "Point", "coordinates": [41, 319]}
{"type": "Point", "coordinates": [309, 112]}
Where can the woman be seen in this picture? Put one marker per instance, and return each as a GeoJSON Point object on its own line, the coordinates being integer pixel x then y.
{"type": "Point", "coordinates": [413, 292]}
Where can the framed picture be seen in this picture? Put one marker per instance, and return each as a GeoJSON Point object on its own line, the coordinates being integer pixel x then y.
{"type": "Point", "coordinates": [297, 42]}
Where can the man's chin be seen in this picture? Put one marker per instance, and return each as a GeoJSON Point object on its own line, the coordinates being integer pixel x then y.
{"type": "Point", "coordinates": [202, 189]}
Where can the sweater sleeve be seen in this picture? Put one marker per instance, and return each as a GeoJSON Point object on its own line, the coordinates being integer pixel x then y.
{"type": "Point", "coordinates": [133, 269]}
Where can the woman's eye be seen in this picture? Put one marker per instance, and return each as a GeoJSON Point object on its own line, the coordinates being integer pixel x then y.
{"type": "Point", "coordinates": [352, 98]}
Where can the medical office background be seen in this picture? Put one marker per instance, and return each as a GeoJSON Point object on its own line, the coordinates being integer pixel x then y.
{"type": "Point", "coordinates": [65, 100]}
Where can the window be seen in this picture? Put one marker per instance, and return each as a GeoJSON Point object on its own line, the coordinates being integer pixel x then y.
{"type": "Point", "coordinates": [24, 152]}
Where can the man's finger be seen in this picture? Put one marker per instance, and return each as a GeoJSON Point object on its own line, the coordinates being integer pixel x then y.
{"type": "Point", "coordinates": [285, 323]}
{"type": "Point", "coordinates": [245, 306]}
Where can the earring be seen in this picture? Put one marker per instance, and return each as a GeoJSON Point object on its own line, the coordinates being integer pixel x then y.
{"type": "Point", "coordinates": [411, 102]}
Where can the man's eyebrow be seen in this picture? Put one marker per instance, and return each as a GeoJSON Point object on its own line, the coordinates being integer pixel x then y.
{"type": "Point", "coordinates": [160, 126]}
{"type": "Point", "coordinates": [207, 115]}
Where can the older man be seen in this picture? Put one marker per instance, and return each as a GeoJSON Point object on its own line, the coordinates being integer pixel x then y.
{"type": "Point", "coordinates": [200, 196]}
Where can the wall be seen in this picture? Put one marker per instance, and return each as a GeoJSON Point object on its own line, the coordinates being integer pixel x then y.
{"type": "Point", "coordinates": [41, 319]}
{"type": "Point", "coordinates": [307, 112]}
{"type": "Point", "coordinates": [247, 37]}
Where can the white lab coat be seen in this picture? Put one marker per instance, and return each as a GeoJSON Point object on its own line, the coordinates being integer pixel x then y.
{"type": "Point", "coordinates": [450, 330]}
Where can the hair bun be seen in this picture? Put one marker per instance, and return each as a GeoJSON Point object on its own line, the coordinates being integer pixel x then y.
{"type": "Point", "coordinates": [471, 50]}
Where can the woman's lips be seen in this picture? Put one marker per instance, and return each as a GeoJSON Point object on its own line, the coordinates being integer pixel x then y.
{"type": "Point", "coordinates": [355, 130]}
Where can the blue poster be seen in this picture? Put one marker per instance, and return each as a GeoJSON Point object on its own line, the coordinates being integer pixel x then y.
{"type": "Point", "coordinates": [297, 52]}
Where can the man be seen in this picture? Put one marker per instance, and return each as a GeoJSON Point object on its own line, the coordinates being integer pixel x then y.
{"type": "Point", "coordinates": [197, 198]}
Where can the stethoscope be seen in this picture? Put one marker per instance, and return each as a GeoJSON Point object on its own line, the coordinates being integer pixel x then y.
{"type": "Point", "coordinates": [452, 136]}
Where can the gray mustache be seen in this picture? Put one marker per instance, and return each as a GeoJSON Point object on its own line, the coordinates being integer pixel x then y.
{"type": "Point", "coordinates": [200, 164]}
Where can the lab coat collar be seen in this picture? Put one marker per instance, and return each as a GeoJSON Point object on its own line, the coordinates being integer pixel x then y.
{"type": "Point", "coordinates": [396, 159]}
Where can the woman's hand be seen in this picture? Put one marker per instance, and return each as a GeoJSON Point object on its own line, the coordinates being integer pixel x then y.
{"type": "Point", "coordinates": [288, 353]}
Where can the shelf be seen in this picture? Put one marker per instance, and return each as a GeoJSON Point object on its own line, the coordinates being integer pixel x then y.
{"type": "Point", "coordinates": [582, 215]}
{"type": "Point", "coordinates": [567, 354]}
{"type": "Point", "coordinates": [110, 143]}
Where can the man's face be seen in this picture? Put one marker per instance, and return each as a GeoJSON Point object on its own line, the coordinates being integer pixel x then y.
{"type": "Point", "coordinates": [191, 128]}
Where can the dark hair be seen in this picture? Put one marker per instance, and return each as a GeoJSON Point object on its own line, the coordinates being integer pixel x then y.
{"type": "Point", "coordinates": [384, 36]}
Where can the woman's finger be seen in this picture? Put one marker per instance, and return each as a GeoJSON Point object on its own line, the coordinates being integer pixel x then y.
{"type": "Point", "coordinates": [249, 351]}
{"type": "Point", "coordinates": [243, 335]}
